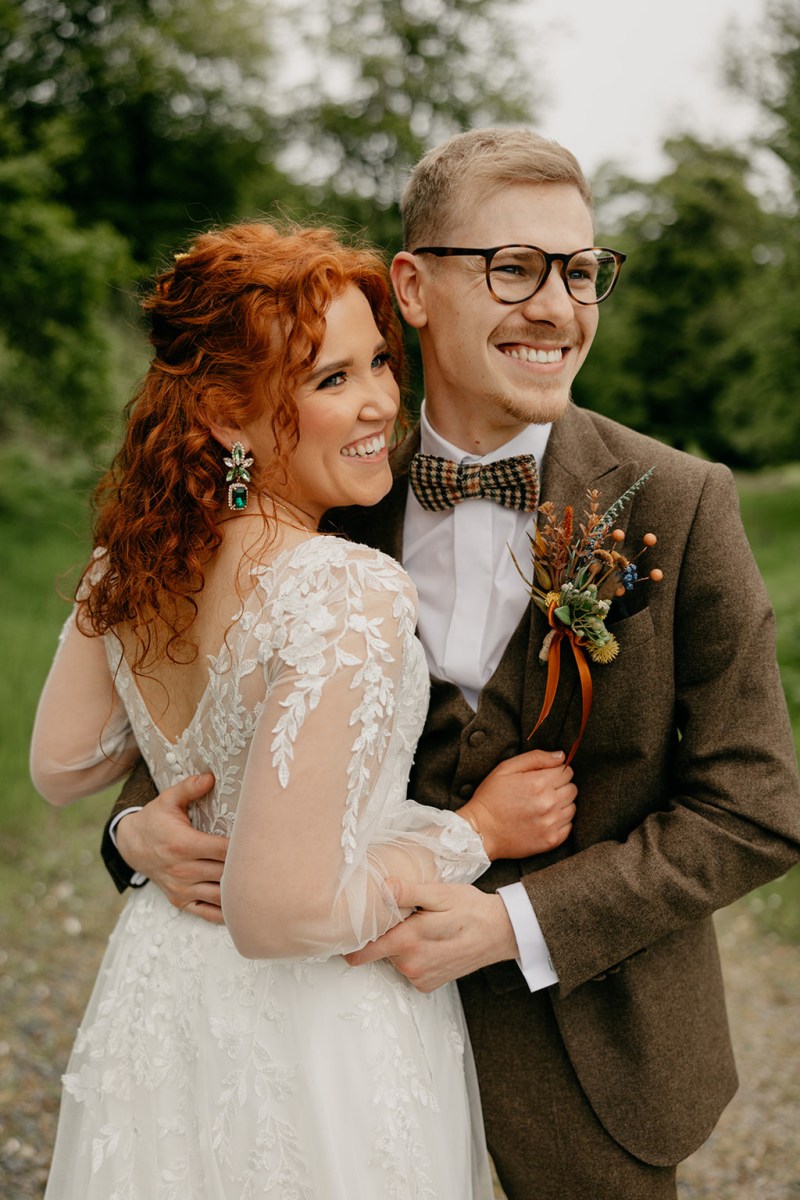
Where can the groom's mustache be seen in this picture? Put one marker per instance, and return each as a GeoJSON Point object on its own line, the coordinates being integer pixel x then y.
{"type": "Point", "coordinates": [534, 331]}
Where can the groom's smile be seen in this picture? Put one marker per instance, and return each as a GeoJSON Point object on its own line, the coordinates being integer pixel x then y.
{"type": "Point", "coordinates": [535, 354]}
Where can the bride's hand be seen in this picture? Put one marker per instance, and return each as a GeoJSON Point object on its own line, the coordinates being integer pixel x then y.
{"type": "Point", "coordinates": [525, 806]}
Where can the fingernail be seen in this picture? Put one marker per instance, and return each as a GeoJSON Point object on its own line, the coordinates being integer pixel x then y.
{"type": "Point", "coordinates": [558, 753]}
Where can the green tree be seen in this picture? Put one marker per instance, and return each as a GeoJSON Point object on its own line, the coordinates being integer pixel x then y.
{"type": "Point", "coordinates": [147, 119]}
{"type": "Point", "coordinates": [60, 302]}
{"type": "Point", "coordinates": [761, 407]}
{"type": "Point", "coordinates": [391, 78]}
{"type": "Point", "coordinates": [670, 352]}
{"type": "Point", "coordinates": [162, 105]}
{"type": "Point", "coordinates": [125, 124]}
{"type": "Point", "coordinates": [769, 73]}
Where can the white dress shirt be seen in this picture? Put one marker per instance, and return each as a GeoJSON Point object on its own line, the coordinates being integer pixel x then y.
{"type": "Point", "coordinates": [471, 600]}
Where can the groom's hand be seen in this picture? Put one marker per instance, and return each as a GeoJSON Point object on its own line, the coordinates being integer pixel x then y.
{"type": "Point", "coordinates": [160, 842]}
{"type": "Point", "coordinates": [456, 929]}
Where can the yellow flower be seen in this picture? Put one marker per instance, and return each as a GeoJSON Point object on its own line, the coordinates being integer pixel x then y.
{"type": "Point", "coordinates": [605, 653]}
{"type": "Point", "coordinates": [550, 597]}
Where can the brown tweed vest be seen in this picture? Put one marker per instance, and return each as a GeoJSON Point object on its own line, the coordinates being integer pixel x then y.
{"type": "Point", "coordinates": [459, 747]}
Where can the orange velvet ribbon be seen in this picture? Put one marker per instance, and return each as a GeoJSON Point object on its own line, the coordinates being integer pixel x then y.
{"type": "Point", "coordinates": [554, 672]}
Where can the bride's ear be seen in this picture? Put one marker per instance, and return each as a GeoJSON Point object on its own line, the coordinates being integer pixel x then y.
{"type": "Point", "coordinates": [226, 435]}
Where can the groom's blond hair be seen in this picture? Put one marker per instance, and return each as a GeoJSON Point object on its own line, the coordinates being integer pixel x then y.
{"type": "Point", "coordinates": [475, 165]}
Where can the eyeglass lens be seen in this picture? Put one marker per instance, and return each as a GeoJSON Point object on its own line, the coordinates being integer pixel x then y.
{"type": "Point", "coordinates": [516, 272]}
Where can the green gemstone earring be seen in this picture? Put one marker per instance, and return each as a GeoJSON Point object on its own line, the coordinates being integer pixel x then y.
{"type": "Point", "coordinates": [238, 477]}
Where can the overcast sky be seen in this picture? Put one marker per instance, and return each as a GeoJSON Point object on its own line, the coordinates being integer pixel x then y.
{"type": "Point", "coordinates": [659, 70]}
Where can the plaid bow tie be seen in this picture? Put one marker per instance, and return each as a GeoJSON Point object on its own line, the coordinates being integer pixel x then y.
{"type": "Point", "coordinates": [439, 483]}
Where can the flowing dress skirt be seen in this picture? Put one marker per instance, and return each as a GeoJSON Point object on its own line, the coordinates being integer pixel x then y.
{"type": "Point", "coordinates": [198, 1074]}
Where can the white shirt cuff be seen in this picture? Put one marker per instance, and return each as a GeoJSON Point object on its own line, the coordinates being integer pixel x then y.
{"type": "Point", "coordinates": [534, 959]}
{"type": "Point", "coordinates": [137, 878]}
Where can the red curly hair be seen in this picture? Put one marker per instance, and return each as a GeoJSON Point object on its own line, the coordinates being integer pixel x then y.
{"type": "Point", "coordinates": [236, 323]}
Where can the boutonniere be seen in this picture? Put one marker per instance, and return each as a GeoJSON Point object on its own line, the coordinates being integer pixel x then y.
{"type": "Point", "coordinates": [576, 574]}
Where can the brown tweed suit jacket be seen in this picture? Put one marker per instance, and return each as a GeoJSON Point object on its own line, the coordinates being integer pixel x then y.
{"type": "Point", "coordinates": [687, 779]}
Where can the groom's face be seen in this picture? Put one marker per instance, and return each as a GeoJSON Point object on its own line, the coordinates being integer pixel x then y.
{"type": "Point", "coordinates": [491, 368]}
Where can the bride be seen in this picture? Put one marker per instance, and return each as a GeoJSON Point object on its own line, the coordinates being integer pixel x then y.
{"type": "Point", "coordinates": [215, 629]}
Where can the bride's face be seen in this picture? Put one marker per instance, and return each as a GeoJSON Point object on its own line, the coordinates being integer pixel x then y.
{"type": "Point", "coordinates": [346, 407]}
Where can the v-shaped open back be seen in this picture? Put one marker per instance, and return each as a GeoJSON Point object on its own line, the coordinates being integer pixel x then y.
{"type": "Point", "coordinates": [178, 675]}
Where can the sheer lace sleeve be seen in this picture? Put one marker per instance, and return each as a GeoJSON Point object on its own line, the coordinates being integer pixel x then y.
{"type": "Point", "coordinates": [323, 817]}
{"type": "Point", "coordinates": [82, 740]}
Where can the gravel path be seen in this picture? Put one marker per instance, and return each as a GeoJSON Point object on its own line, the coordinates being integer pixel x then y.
{"type": "Point", "coordinates": [53, 936]}
{"type": "Point", "coordinates": [754, 1153]}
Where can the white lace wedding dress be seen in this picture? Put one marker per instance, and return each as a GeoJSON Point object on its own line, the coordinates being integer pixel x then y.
{"type": "Point", "coordinates": [201, 1074]}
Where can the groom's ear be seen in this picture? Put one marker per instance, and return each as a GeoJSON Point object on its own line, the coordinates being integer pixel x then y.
{"type": "Point", "coordinates": [408, 282]}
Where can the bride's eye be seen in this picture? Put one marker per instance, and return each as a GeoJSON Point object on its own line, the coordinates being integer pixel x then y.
{"type": "Point", "coordinates": [381, 360]}
{"type": "Point", "coordinates": [332, 380]}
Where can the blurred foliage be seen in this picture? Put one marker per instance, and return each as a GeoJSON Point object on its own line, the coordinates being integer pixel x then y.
{"type": "Point", "coordinates": [770, 506]}
{"type": "Point", "coordinates": [44, 543]}
{"type": "Point", "coordinates": [761, 406]}
{"type": "Point", "coordinates": [57, 339]}
{"type": "Point", "coordinates": [127, 125]}
{"type": "Point", "coordinates": [671, 344]}
{"type": "Point", "coordinates": [390, 79]}
{"type": "Point", "coordinates": [158, 106]}
{"type": "Point", "coordinates": [700, 345]}
{"type": "Point", "coordinates": [120, 121]}
{"type": "Point", "coordinates": [768, 71]}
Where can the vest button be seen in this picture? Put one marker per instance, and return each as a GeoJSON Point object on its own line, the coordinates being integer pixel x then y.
{"type": "Point", "coordinates": [466, 790]}
{"type": "Point", "coordinates": [476, 737]}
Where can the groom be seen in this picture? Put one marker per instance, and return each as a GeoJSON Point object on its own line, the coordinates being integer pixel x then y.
{"type": "Point", "coordinates": [589, 975]}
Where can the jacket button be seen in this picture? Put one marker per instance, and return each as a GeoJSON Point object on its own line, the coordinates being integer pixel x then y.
{"type": "Point", "coordinates": [476, 737]}
{"type": "Point", "coordinates": [466, 790]}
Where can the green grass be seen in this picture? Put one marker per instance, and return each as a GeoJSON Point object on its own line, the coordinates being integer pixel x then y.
{"type": "Point", "coordinates": [771, 513]}
{"type": "Point", "coordinates": [770, 505]}
{"type": "Point", "coordinates": [44, 531]}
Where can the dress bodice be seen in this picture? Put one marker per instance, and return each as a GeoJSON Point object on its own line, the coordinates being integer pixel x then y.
{"type": "Point", "coordinates": [308, 722]}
